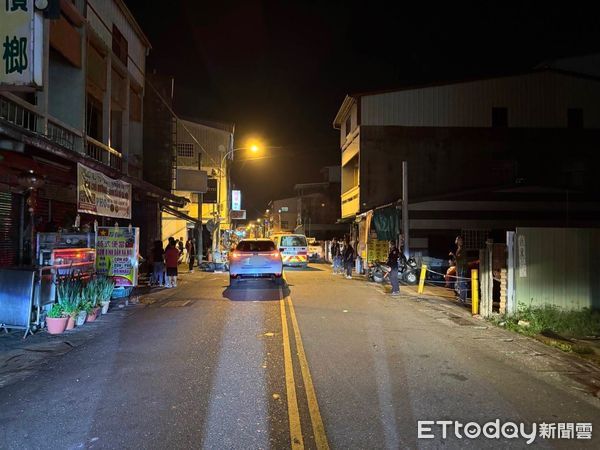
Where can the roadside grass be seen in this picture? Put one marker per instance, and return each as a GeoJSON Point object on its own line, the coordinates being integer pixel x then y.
{"type": "Point", "coordinates": [556, 327]}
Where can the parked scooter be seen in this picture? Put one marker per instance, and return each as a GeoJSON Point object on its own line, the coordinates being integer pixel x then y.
{"type": "Point", "coordinates": [407, 271]}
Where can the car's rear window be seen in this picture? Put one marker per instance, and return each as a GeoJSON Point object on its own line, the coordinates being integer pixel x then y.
{"type": "Point", "coordinates": [293, 241]}
{"type": "Point", "coordinates": [256, 246]}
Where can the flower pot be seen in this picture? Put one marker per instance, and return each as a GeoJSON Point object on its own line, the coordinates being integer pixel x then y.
{"type": "Point", "coordinates": [56, 325]}
{"type": "Point", "coordinates": [81, 318]}
{"type": "Point", "coordinates": [92, 315]}
{"type": "Point", "coordinates": [70, 323]}
{"type": "Point", "coordinates": [105, 306]}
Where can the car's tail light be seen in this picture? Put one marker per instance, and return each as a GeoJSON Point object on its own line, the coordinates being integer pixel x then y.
{"type": "Point", "coordinates": [236, 255]}
{"type": "Point", "coordinates": [274, 254]}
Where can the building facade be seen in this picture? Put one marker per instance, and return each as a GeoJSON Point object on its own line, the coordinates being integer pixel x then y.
{"type": "Point", "coordinates": [88, 112]}
{"type": "Point", "coordinates": [514, 140]}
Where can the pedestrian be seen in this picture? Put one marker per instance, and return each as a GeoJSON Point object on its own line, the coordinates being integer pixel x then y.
{"type": "Point", "coordinates": [171, 261]}
{"type": "Point", "coordinates": [158, 264]}
{"type": "Point", "coordinates": [190, 248]}
{"type": "Point", "coordinates": [336, 256]}
{"type": "Point", "coordinates": [348, 258]}
{"type": "Point", "coordinates": [180, 247]}
{"type": "Point", "coordinates": [460, 258]}
{"type": "Point", "coordinates": [392, 262]}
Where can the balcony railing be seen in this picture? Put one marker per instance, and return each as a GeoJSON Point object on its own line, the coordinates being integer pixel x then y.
{"type": "Point", "coordinates": [22, 114]}
{"type": "Point", "coordinates": [15, 112]}
{"type": "Point", "coordinates": [351, 202]}
{"type": "Point", "coordinates": [104, 154]}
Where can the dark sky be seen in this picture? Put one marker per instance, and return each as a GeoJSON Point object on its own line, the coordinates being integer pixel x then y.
{"type": "Point", "coordinates": [280, 69]}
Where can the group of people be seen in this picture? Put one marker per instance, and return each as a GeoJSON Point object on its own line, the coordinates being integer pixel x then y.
{"type": "Point", "coordinates": [342, 254]}
{"type": "Point", "coordinates": [165, 261]}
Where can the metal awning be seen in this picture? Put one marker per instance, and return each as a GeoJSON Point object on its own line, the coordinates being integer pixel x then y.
{"type": "Point", "coordinates": [178, 214]}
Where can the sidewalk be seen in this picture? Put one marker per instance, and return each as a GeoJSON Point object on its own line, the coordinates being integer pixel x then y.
{"type": "Point", "coordinates": [522, 351]}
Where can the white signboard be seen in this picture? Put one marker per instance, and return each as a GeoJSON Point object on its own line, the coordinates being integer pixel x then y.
{"type": "Point", "coordinates": [100, 195]}
{"type": "Point", "coordinates": [21, 35]}
{"type": "Point", "coordinates": [236, 200]}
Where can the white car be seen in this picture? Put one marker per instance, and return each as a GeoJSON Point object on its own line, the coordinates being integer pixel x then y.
{"type": "Point", "coordinates": [253, 259]}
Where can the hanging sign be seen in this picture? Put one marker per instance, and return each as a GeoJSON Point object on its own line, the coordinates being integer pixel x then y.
{"type": "Point", "coordinates": [236, 200]}
{"type": "Point", "coordinates": [100, 195]}
{"type": "Point", "coordinates": [21, 35]}
{"type": "Point", "coordinates": [117, 251]}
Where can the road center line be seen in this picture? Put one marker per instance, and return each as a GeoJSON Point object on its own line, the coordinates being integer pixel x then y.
{"type": "Point", "coordinates": [292, 400]}
{"type": "Point", "coordinates": [311, 396]}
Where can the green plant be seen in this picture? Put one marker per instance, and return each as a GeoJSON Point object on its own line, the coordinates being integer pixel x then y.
{"type": "Point", "coordinates": [56, 312]}
{"type": "Point", "coordinates": [68, 291]}
{"type": "Point", "coordinates": [551, 318]}
{"type": "Point", "coordinates": [106, 285]}
{"type": "Point", "coordinates": [92, 291]}
{"type": "Point", "coordinates": [87, 307]}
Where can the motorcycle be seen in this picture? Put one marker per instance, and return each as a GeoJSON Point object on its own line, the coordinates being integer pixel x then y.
{"type": "Point", "coordinates": [407, 271]}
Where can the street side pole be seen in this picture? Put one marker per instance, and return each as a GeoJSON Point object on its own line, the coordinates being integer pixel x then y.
{"type": "Point", "coordinates": [199, 228]}
{"type": "Point", "coordinates": [405, 208]}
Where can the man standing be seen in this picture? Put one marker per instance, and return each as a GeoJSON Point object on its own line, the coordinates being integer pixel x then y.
{"type": "Point", "coordinates": [461, 269]}
{"type": "Point", "coordinates": [348, 258]}
{"type": "Point", "coordinates": [392, 262]}
{"type": "Point", "coordinates": [191, 253]}
{"type": "Point", "coordinates": [335, 255]}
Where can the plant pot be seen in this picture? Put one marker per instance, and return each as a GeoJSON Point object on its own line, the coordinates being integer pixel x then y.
{"type": "Point", "coordinates": [105, 306]}
{"type": "Point", "coordinates": [92, 315]}
{"type": "Point", "coordinates": [70, 323]}
{"type": "Point", "coordinates": [56, 325]}
{"type": "Point", "coordinates": [81, 318]}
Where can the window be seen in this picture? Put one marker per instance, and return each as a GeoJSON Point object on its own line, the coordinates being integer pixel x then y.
{"type": "Point", "coordinates": [499, 117]}
{"type": "Point", "coordinates": [185, 150]}
{"type": "Point", "coordinates": [293, 241]}
{"type": "Point", "coordinates": [119, 45]}
{"type": "Point", "coordinates": [256, 246]}
{"type": "Point", "coordinates": [575, 118]}
{"type": "Point", "coordinates": [348, 125]}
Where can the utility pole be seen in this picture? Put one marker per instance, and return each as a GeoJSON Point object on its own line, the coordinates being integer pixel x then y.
{"type": "Point", "coordinates": [405, 208]}
{"type": "Point", "coordinates": [199, 228]}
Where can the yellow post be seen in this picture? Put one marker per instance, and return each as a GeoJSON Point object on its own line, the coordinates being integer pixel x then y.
{"type": "Point", "coordinates": [422, 279]}
{"type": "Point", "coordinates": [474, 291]}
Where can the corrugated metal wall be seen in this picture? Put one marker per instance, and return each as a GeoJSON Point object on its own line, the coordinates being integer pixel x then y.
{"type": "Point", "coordinates": [533, 100]}
{"type": "Point", "coordinates": [558, 266]}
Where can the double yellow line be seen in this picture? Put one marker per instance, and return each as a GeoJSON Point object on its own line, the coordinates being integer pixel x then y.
{"type": "Point", "coordinates": [296, 437]}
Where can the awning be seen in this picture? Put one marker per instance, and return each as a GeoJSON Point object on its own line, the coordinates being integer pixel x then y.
{"type": "Point", "coordinates": [178, 214]}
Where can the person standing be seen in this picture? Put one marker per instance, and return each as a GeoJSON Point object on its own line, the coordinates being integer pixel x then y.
{"type": "Point", "coordinates": [460, 258]}
{"type": "Point", "coordinates": [158, 264]}
{"type": "Point", "coordinates": [190, 248]}
{"type": "Point", "coordinates": [392, 262]}
{"type": "Point", "coordinates": [171, 261]}
{"type": "Point", "coordinates": [336, 256]}
{"type": "Point", "coordinates": [348, 258]}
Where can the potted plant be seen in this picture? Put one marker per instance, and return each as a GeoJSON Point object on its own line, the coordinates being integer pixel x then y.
{"type": "Point", "coordinates": [68, 290]}
{"type": "Point", "coordinates": [56, 321]}
{"type": "Point", "coordinates": [91, 294]}
{"type": "Point", "coordinates": [82, 313]}
{"type": "Point", "coordinates": [105, 289]}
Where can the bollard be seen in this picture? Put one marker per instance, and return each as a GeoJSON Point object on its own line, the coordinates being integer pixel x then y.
{"type": "Point", "coordinates": [422, 279]}
{"type": "Point", "coordinates": [474, 292]}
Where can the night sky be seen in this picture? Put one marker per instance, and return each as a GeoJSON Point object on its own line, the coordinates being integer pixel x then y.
{"type": "Point", "coordinates": [280, 69]}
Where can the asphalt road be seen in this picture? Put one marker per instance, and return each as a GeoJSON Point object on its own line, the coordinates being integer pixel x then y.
{"type": "Point", "coordinates": [322, 362]}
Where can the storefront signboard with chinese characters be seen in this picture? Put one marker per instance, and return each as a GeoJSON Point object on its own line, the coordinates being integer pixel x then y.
{"type": "Point", "coordinates": [103, 196]}
{"type": "Point", "coordinates": [21, 36]}
{"type": "Point", "coordinates": [117, 251]}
